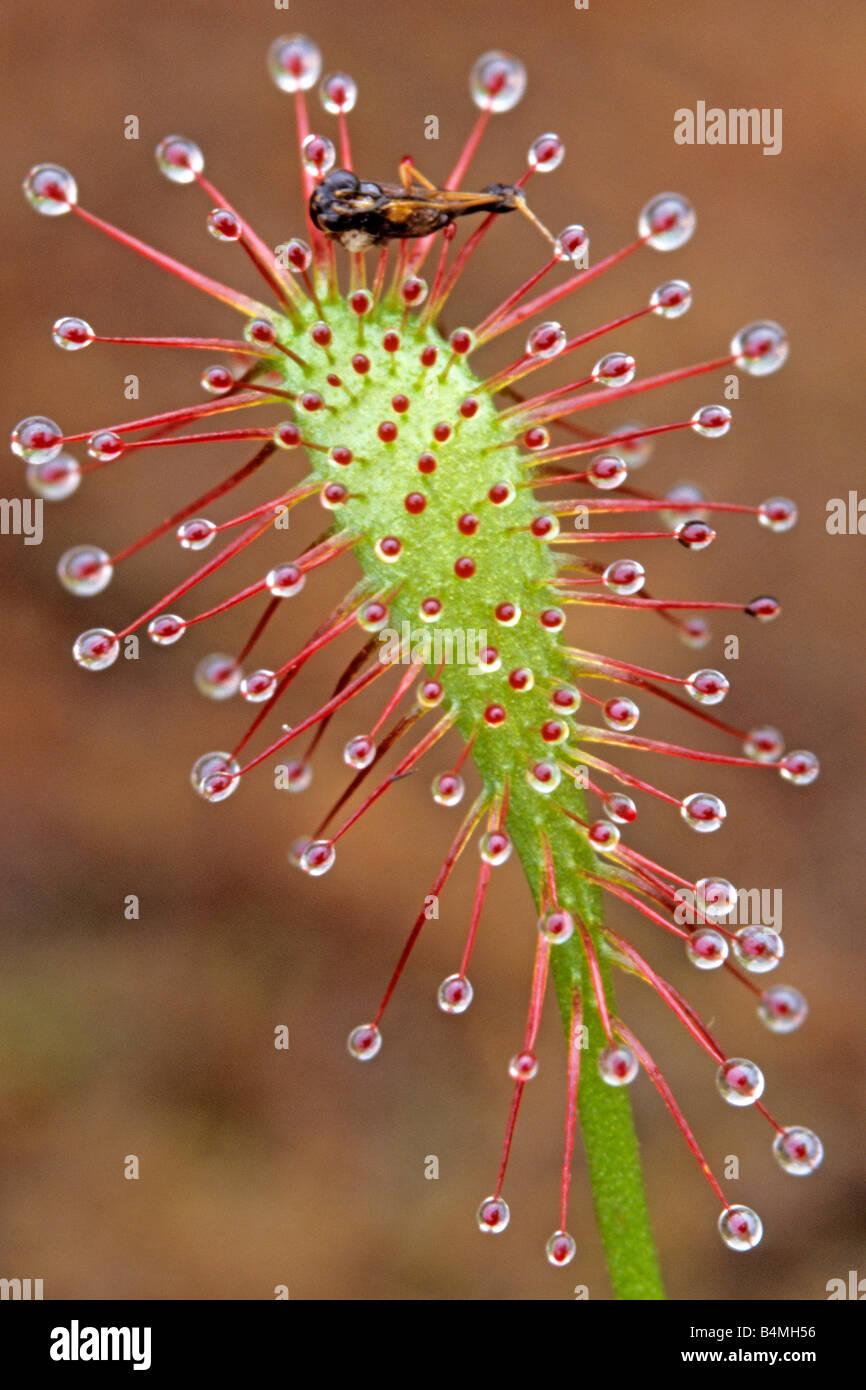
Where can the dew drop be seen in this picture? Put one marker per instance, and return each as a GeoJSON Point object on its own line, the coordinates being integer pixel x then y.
{"type": "Point", "coordinates": [299, 256]}
{"type": "Point", "coordinates": [712, 421]}
{"type": "Point", "coordinates": [523, 1066]}
{"type": "Point", "coordinates": [495, 847]}
{"type": "Point", "coordinates": [493, 1215]}
{"type": "Point", "coordinates": [798, 1151]}
{"type": "Point", "coordinates": [607, 471]}
{"type": "Point", "coordinates": [667, 221]}
{"type": "Point", "coordinates": [288, 436]}
{"type": "Point", "coordinates": [72, 334]}
{"type": "Point", "coordinates": [672, 299]}
{"type": "Point", "coordinates": [546, 340]}
{"type": "Point", "coordinates": [215, 776]}
{"type": "Point", "coordinates": [430, 694]}
{"type": "Point", "coordinates": [85, 570]}
{"type": "Point", "coordinates": [165, 630]}
{"type": "Point", "coordinates": [361, 302]}
{"type": "Point", "coordinates": [620, 713]}
{"type": "Point", "coordinates": [703, 812]}
{"type": "Point", "coordinates": [179, 159]}
{"type": "Point", "coordinates": [55, 479]}
{"type": "Point", "coordinates": [413, 291]}
{"type": "Point", "coordinates": [258, 686]}
{"type": "Point", "coordinates": [318, 155]}
{"type": "Point", "coordinates": [758, 949]}
{"type": "Point", "coordinates": [461, 341]}
{"type": "Point", "coordinates": [614, 369]}
{"type": "Point", "coordinates": [694, 535]}
{"type": "Point", "coordinates": [223, 225]}
{"type": "Point", "coordinates": [560, 1249]}
{"type": "Point", "coordinates": [50, 189]}
{"type": "Point", "coordinates": [521, 678]}
{"type": "Point", "coordinates": [414, 503]}
{"type": "Point", "coordinates": [707, 948]}
{"type": "Point", "coordinates": [507, 614]}
{"type": "Point", "coordinates": [546, 153]}
{"type": "Point", "coordinates": [454, 994]}
{"type": "Point", "coordinates": [572, 244]}
{"type": "Point", "coordinates": [536, 438]}
{"type": "Point", "coordinates": [216, 380]}
{"type": "Point", "coordinates": [604, 836]}
{"type": "Point", "coordinates": [740, 1228]}
{"type": "Point", "coordinates": [556, 926]}
{"type": "Point", "coordinates": [364, 1042]}
{"type": "Point", "coordinates": [285, 581]}
{"type": "Point", "coordinates": [764, 608]}
{"type": "Point", "coordinates": [317, 858]}
{"type": "Point", "coordinates": [554, 731]}
{"type": "Point", "coordinates": [196, 534]}
{"type": "Point", "coordinates": [760, 348]}
{"type": "Point", "coordinates": [429, 609]}
{"type": "Point", "coordinates": [294, 63]}
{"type": "Point", "coordinates": [545, 527]}
{"type": "Point", "coordinates": [544, 777]}
{"type": "Point", "coordinates": [497, 81]}
{"type": "Point", "coordinates": [782, 1009]}
{"type": "Point", "coordinates": [96, 649]}
{"type": "Point", "coordinates": [360, 751]}
{"type": "Point", "coordinates": [620, 808]}
{"type": "Point", "coordinates": [740, 1082]}
{"type": "Point", "coordinates": [494, 714]}
{"type": "Point", "coordinates": [715, 897]}
{"type": "Point", "coordinates": [338, 93]}
{"type": "Point", "coordinates": [298, 776]}
{"type": "Point", "coordinates": [778, 514]}
{"type": "Point", "coordinates": [260, 332]}
{"type": "Point", "coordinates": [695, 633]}
{"type": "Point", "coordinates": [800, 767]}
{"type": "Point", "coordinates": [373, 616]}
{"type": "Point", "coordinates": [105, 446]}
{"type": "Point", "coordinates": [448, 789]}
{"type": "Point", "coordinates": [388, 549]}
{"type": "Point", "coordinates": [624, 577]}
{"type": "Point", "coordinates": [218, 676]}
{"type": "Point", "coordinates": [566, 699]}
{"type": "Point", "coordinates": [37, 439]}
{"type": "Point", "coordinates": [708, 687]}
{"type": "Point", "coordinates": [617, 1065]}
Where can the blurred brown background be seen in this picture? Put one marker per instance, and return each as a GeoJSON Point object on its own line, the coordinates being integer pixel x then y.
{"type": "Point", "coordinates": [154, 1037]}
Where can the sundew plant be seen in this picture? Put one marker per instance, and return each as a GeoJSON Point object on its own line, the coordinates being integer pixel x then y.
{"type": "Point", "coordinates": [471, 514]}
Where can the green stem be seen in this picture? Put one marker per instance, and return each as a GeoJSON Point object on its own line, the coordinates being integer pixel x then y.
{"type": "Point", "coordinates": [611, 1147]}
{"type": "Point", "coordinates": [605, 1112]}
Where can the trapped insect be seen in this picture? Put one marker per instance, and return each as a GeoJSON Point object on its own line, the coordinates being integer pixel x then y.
{"type": "Point", "coordinates": [359, 213]}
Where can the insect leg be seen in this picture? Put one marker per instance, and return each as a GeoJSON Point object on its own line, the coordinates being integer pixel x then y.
{"type": "Point", "coordinates": [522, 206]}
{"type": "Point", "coordinates": [409, 175]}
